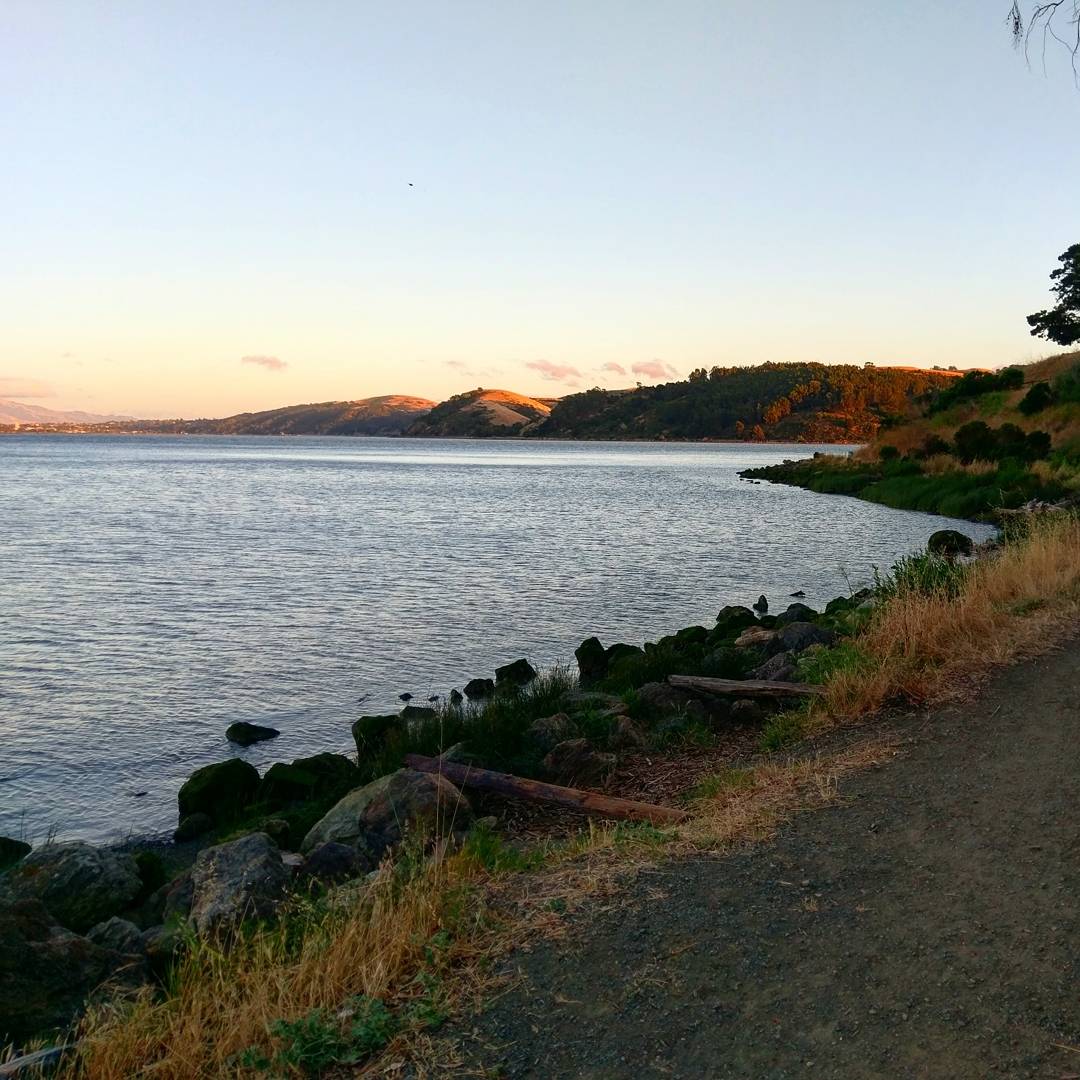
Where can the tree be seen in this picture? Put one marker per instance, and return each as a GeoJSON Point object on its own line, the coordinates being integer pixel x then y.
{"type": "Point", "coordinates": [1061, 323]}
{"type": "Point", "coordinates": [1036, 399]}
{"type": "Point", "coordinates": [1049, 20]}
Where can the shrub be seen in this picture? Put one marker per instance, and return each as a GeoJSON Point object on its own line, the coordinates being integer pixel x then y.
{"type": "Point", "coordinates": [888, 453]}
{"type": "Point", "coordinates": [1036, 399]}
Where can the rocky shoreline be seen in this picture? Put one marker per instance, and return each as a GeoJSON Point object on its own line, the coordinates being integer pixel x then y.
{"type": "Point", "coordinates": [75, 917]}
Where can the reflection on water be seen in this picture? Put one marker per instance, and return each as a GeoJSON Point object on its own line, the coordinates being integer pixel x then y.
{"type": "Point", "coordinates": [157, 589]}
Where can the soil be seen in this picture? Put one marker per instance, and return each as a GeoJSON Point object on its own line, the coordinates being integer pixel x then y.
{"type": "Point", "coordinates": [927, 926]}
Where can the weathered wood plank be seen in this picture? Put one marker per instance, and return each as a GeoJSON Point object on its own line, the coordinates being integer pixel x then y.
{"type": "Point", "coordinates": [589, 802]}
{"type": "Point", "coordinates": [747, 688]}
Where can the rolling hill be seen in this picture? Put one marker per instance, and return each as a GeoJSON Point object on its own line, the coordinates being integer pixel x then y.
{"type": "Point", "coordinates": [18, 412]}
{"type": "Point", "coordinates": [484, 413]}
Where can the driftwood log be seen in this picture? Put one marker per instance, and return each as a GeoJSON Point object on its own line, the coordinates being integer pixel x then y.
{"type": "Point", "coordinates": [517, 787]}
{"type": "Point", "coordinates": [744, 688]}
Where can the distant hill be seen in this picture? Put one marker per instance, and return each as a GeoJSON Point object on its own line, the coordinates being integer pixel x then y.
{"type": "Point", "coordinates": [484, 413]}
{"type": "Point", "coordinates": [18, 412]}
{"type": "Point", "coordinates": [391, 414]}
{"type": "Point", "coordinates": [805, 402]}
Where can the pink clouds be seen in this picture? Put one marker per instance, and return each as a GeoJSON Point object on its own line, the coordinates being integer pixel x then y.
{"type": "Point", "coordinates": [563, 373]}
{"type": "Point", "coordinates": [271, 363]}
{"type": "Point", "coordinates": [617, 368]}
{"type": "Point", "coordinates": [655, 369]}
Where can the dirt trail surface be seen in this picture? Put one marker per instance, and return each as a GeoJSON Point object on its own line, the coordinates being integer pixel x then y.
{"type": "Point", "coordinates": [924, 927]}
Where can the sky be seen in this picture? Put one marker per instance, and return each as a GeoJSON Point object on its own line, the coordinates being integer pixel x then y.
{"type": "Point", "coordinates": [216, 207]}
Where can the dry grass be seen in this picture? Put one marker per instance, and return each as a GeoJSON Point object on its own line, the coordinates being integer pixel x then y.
{"type": "Point", "coordinates": [924, 647]}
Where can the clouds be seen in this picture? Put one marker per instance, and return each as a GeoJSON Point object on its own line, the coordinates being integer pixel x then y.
{"type": "Point", "coordinates": [563, 373]}
{"type": "Point", "coordinates": [271, 363]}
{"type": "Point", "coordinates": [617, 368]}
{"type": "Point", "coordinates": [655, 369]}
{"type": "Point", "coordinates": [14, 386]}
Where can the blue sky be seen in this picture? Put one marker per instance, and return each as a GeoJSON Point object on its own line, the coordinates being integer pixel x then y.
{"type": "Point", "coordinates": [640, 184]}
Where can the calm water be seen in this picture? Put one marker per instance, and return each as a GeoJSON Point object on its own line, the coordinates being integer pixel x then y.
{"type": "Point", "coordinates": [156, 589]}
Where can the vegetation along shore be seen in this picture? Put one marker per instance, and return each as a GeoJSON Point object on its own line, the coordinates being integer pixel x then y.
{"type": "Point", "coordinates": [337, 910]}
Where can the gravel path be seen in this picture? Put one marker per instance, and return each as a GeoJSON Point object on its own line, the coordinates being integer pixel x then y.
{"type": "Point", "coordinates": [926, 927]}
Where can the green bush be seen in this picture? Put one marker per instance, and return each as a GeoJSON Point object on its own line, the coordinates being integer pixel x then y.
{"type": "Point", "coordinates": [1036, 399]}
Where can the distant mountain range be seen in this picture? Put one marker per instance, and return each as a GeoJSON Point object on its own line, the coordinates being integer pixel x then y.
{"type": "Point", "coordinates": [777, 402]}
{"type": "Point", "coordinates": [18, 412]}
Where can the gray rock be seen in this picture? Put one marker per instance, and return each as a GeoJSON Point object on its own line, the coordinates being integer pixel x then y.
{"type": "Point", "coordinates": [761, 605]}
{"type": "Point", "coordinates": [547, 732]}
{"type": "Point", "coordinates": [332, 863]}
{"type": "Point", "coordinates": [745, 711]}
{"type": "Point", "coordinates": [371, 732]}
{"type": "Point", "coordinates": [575, 763]}
{"type": "Point", "coordinates": [778, 668]}
{"type": "Point", "coordinates": [278, 829]}
{"type": "Point", "coordinates": [418, 712]}
{"type": "Point", "coordinates": [242, 879]}
{"type": "Point", "coordinates": [592, 661]}
{"type": "Point", "coordinates": [47, 972]}
{"type": "Point", "coordinates": [179, 893]}
{"type": "Point", "coordinates": [733, 619]}
{"type": "Point", "coordinates": [160, 945]}
{"type": "Point", "coordinates": [321, 776]}
{"type": "Point", "coordinates": [626, 735]}
{"type": "Point", "coordinates": [380, 814]}
{"type": "Point", "coordinates": [117, 934]}
{"type": "Point", "coordinates": [221, 791]}
{"type": "Point", "coordinates": [78, 884]}
{"type": "Point", "coordinates": [796, 613]}
{"type": "Point", "coordinates": [478, 689]}
{"type": "Point", "coordinates": [797, 636]}
{"type": "Point", "coordinates": [517, 673]}
{"type": "Point", "coordinates": [664, 699]}
{"type": "Point", "coordinates": [244, 734]}
{"type": "Point", "coordinates": [950, 543]}
{"type": "Point", "coordinates": [756, 637]}
{"type": "Point", "coordinates": [192, 826]}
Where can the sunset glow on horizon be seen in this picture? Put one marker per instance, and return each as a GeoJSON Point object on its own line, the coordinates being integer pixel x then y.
{"type": "Point", "coordinates": [216, 209]}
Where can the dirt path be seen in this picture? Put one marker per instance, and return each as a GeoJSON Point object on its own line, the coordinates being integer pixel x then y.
{"type": "Point", "coordinates": [926, 927]}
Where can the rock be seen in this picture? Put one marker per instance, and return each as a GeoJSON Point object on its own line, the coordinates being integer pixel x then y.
{"type": "Point", "coordinates": [593, 699]}
{"type": "Point", "coordinates": [478, 689]}
{"type": "Point", "coordinates": [796, 613]}
{"type": "Point", "coordinates": [321, 776]}
{"type": "Point", "coordinates": [755, 637]}
{"type": "Point", "coordinates": [160, 945]}
{"type": "Point", "coordinates": [726, 662]}
{"type": "Point", "coordinates": [778, 668]}
{"type": "Point", "coordinates": [179, 894]}
{"type": "Point", "coordinates": [78, 884]}
{"type": "Point", "coordinates": [574, 763]}
{"type": "Point", "coordinates": [370, 733]}
{"type": "Point", "coordinates": [797, 593]}
{"type": "Point", "coordinates": [378, 815]}
{"type": "Point", "coordinates": [244, 734]}
{"type": "Point", "coordinates": [46, 972]}
{"type": "Point", "coordinates": [761, 605]}
{"type": "Point", "coordinates": [797, 636]}
{"type": "Point", "coordinates": [745, 711]}
{"type": "Point", "coordinates": [278, 829]}
{"type": "Point", "coordinates": [332, 863]}
{"type": "Point", "coordinates": [241, 879]}
{"type": "Point", "coordinates": [418, 712]}
{"type": "Point", "coordinates": [733, 619]}
{"type": "Point", "coordinates": [620, 651]}
{"type": "Point", "coordinates": [117, 934]}
{"type": "Point", "coordinates": [456, 698]}
{"type": "Point", "coordinates": [518, 673]}
{"type": "Point", "coordinates": [11, 851]}
{"type": "Point", "coordinates": [221, 790]}
{"type": "Point", "coordinates": [547, 732]}
{"type": "Point", "coordinates": [950, 543]}
{"type": "Point", "coordinates": [691, 635]}
{"type": "Point", "coordinates": [664, 699]}
{"type": "Point", "coordinates": [626, 735]}
{"type": "Point", "coordinates": [192, 826]}
{"type": "Point", "coordinates": [592, 661]}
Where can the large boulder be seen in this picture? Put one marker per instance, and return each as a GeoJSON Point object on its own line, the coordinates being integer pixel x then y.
{"type": "Point", "coordinates": [549, 731]}
{"type": "Point", "coordinates": [11, 851]}
{"type": "Point", "coordinates": [78, 884]}
{"type": "Point", "coordinates": [778, 668]}
{"type": "Point", "coordinates": [733, 619]}
{"type": "Point", "coordinates": [380, 814]}
{"type": "Point", "coordinates": [626, 735]}
{"type": "Point", "coordinates": [950, 543]}
{"type": "Point", "coordinates": [46, 972]}
{"type": "Point", "coordinates": [241, 879]}
{"type": "Point", "coordinates": [756, 637]}
{"type": "Point", "coordinates": [575, 763]}
{"type": "Point", "coordinates": [663, 699]}
{"type": "Point", "coordinates": [592, 661]}
{"type": "Point", "coordinates": [371, 732]}
{"type": "Point", "coordinates": [516, 674]}
{"type": "Point", "coordinates": [244, 734]}
{"type": "Point", "coordinates": [318, 776]}
{"type": "Point", "coordinates": [620, 652]}
{"type": "Point", "coordinates": [798, 636]}
{"type": "Point", "coordinates": [796, 613]}
{"type": "Point", "coordinates": [192, 826]}
{"type": "Point", "coordinates": [332, 863]}
{"type": "Point", "coordinates": [221, 791]}
{"type": "Point", "coordinates": [119, 935]}
{"type": "Point", "coordinates": [419, 712]}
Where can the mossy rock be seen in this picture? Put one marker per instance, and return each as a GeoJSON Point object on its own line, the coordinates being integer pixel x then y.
{"type": "Point", "coordinates": [222, 791]}
{"type": "Point", "coordinates": [592, 661]}
{"type": "Point", "coordinates": [11, 851]}
{"type": "Point", "coordinates": [321, 777]}
{"type": "Point", "coordinates": [151, 869]}
{"type": "Point", "coordinates": [734, 618]}
{"type": "Point", "coordinates": [726, 662]}
{"type": "Point", "coordinates": [518, 673]}
{"type": "Point", "coordinates": [370, 733]}
{"type": "Point", "coordinates": [691, 635]}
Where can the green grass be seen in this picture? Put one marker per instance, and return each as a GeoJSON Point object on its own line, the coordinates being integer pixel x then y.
{"type": "Point", "coordinates": [716, 784]}
{"type": "Point", "coordinates": [784, 728]}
